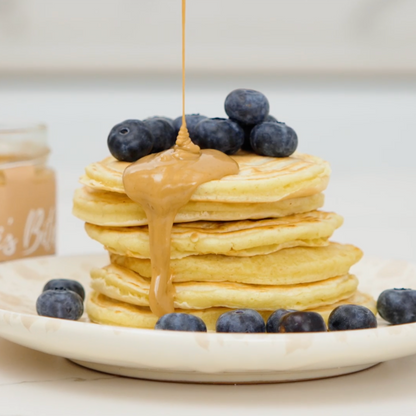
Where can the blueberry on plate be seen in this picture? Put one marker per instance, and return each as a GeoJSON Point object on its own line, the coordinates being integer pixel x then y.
{"type": "Point", "coordinates": [191, 121]}
{"type": "Point", "coordinates": [302, 322]}
{"type": "Point", "coordinates": [181, 322]}
{"type": "Point", "coordinates": [65, 284]}
{"type": "Point", "coordinates": [247, 106]}
{"type": "Point", "coordinates": [397, 306]}
{"type": "Point", "coordinates": [347, 317]}
{"type": "Point", "coordinates": [130, 140]}
{"type": "Point", "coordinates": [273, 322]}
{"type": "Point", "coordinates": [273, 139]}
{"type": "Point", "coordinates": [241, 320]}
{"type": "Point", "coordinates": [221, 134]}
{"type": "Point", "coordinates": [163, 132]}
{"type": "Point", "coordinates": [60, 303]}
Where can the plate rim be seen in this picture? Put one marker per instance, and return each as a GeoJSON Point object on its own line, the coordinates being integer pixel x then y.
{"type": "Point", "coordinates": [15, 326]}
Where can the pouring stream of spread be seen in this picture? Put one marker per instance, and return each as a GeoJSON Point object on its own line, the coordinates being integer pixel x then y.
{"type": "Point", "coordinates": [164, 182]}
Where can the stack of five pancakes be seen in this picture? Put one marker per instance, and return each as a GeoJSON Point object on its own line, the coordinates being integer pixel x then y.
{"type": "Point", "coordinates": [253, 240]}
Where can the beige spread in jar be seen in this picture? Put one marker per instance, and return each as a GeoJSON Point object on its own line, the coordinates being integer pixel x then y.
{"type": "Point", "coordinates": [27, 193]}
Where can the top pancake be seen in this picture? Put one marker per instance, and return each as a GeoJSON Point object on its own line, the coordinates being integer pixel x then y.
{"type": "Point", "coordinates": [260, 179]}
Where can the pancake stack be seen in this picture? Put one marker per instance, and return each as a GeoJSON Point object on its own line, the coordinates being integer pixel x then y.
{"type": "Point", "coordinates": [254, 240]}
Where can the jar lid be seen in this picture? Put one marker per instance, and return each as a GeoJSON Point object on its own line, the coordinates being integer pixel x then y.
{"type": "Point", "coordinates": [23, 143]}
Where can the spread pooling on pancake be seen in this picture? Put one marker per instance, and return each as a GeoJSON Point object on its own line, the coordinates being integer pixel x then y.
{"type": "Point", "coordinates": [162, 183]}
{"type": "Point", "coordinates": [260, 179]}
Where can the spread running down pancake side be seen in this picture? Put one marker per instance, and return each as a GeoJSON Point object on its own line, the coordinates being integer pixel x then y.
{"type": "Point", "coordinates": [162, 183]}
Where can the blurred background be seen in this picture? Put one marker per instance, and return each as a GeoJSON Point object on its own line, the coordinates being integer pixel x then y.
{"type": "Point", "coordinates": [341, 73]}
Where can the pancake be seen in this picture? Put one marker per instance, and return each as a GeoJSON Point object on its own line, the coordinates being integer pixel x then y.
{"type": "Point", "coordinates": [260, 179]}
{"type": "Point", "coordinates": [117, 210]}
{"type": "Point", "coordinates": [289, 266]}
{"type": "Point", "coordinates": [103, 310]}
{"type": "Point", "coordinates": [237, 238]}
{"type": "Point", "coordinates": [127, 286]}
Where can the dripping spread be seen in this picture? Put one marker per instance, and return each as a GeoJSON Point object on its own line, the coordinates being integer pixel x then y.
{"type": "Point", "coordinates": [164, 182]}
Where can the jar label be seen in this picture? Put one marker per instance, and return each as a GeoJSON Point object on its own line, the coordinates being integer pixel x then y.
{"type": "Point", "coordinates": [27, 212]}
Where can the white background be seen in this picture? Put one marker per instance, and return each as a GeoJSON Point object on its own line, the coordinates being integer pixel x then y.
{"type": "Point", "coordinates": [275, 36]}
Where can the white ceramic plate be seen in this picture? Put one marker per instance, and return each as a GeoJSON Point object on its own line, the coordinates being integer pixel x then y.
{"type": "Point", "coordinates": [196, 357]}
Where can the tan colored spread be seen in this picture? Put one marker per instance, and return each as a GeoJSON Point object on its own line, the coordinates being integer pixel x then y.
{"type": "Point", "coordinates": [164, 182]}
{"type": "Point", "coordinates": [27, 209]}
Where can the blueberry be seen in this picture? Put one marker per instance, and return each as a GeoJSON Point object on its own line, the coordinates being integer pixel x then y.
{"type": "Point", "coordinates": [247, 106]}
{"type": "Point", "coordinates": [221, 134]}
{"type": "Point", "coordinates": [65, 284]}
{"type": "Point", "coordinates": [302, 322]}
{"type": "Point", "coordinates": [397, 306]}
{"type": "Point", "coordinates": [273, 322]}
{"type": "Point", "coordinates": [60, 303]}
{"type": "Point", "coordinates": [241, 320]}
{"type": "Point", "coordinates": [247, 131]}
{"type": "Point", "coordinates": [130, 140]}
{"type": "Point", "coordinates": [181, 322]}
{"type": "Point", "coordinates": [163, 132]}
{"type": "Point", "coordinates": [346, 317]}
{"type": "Point", "coordinates": [168, 119]}
{"type": "Point", "coordinates": [191, 121]}
{"type": "Point", "coordinates": [270, 119]}
{"type": "Point", "coordinates": [273, 139]}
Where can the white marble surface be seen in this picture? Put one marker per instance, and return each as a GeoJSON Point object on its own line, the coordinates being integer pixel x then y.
{"type": "Point", "coordinates": [366, 130]}
{"type": "Point", "coordinates": [33, 383]}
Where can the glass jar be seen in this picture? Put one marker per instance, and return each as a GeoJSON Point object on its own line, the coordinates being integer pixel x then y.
{"type": "Point", "coordinates": [27, 192]}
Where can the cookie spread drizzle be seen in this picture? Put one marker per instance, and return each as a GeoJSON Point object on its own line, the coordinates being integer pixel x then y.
{"type": "Point", "coordinates": [164, 182]}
